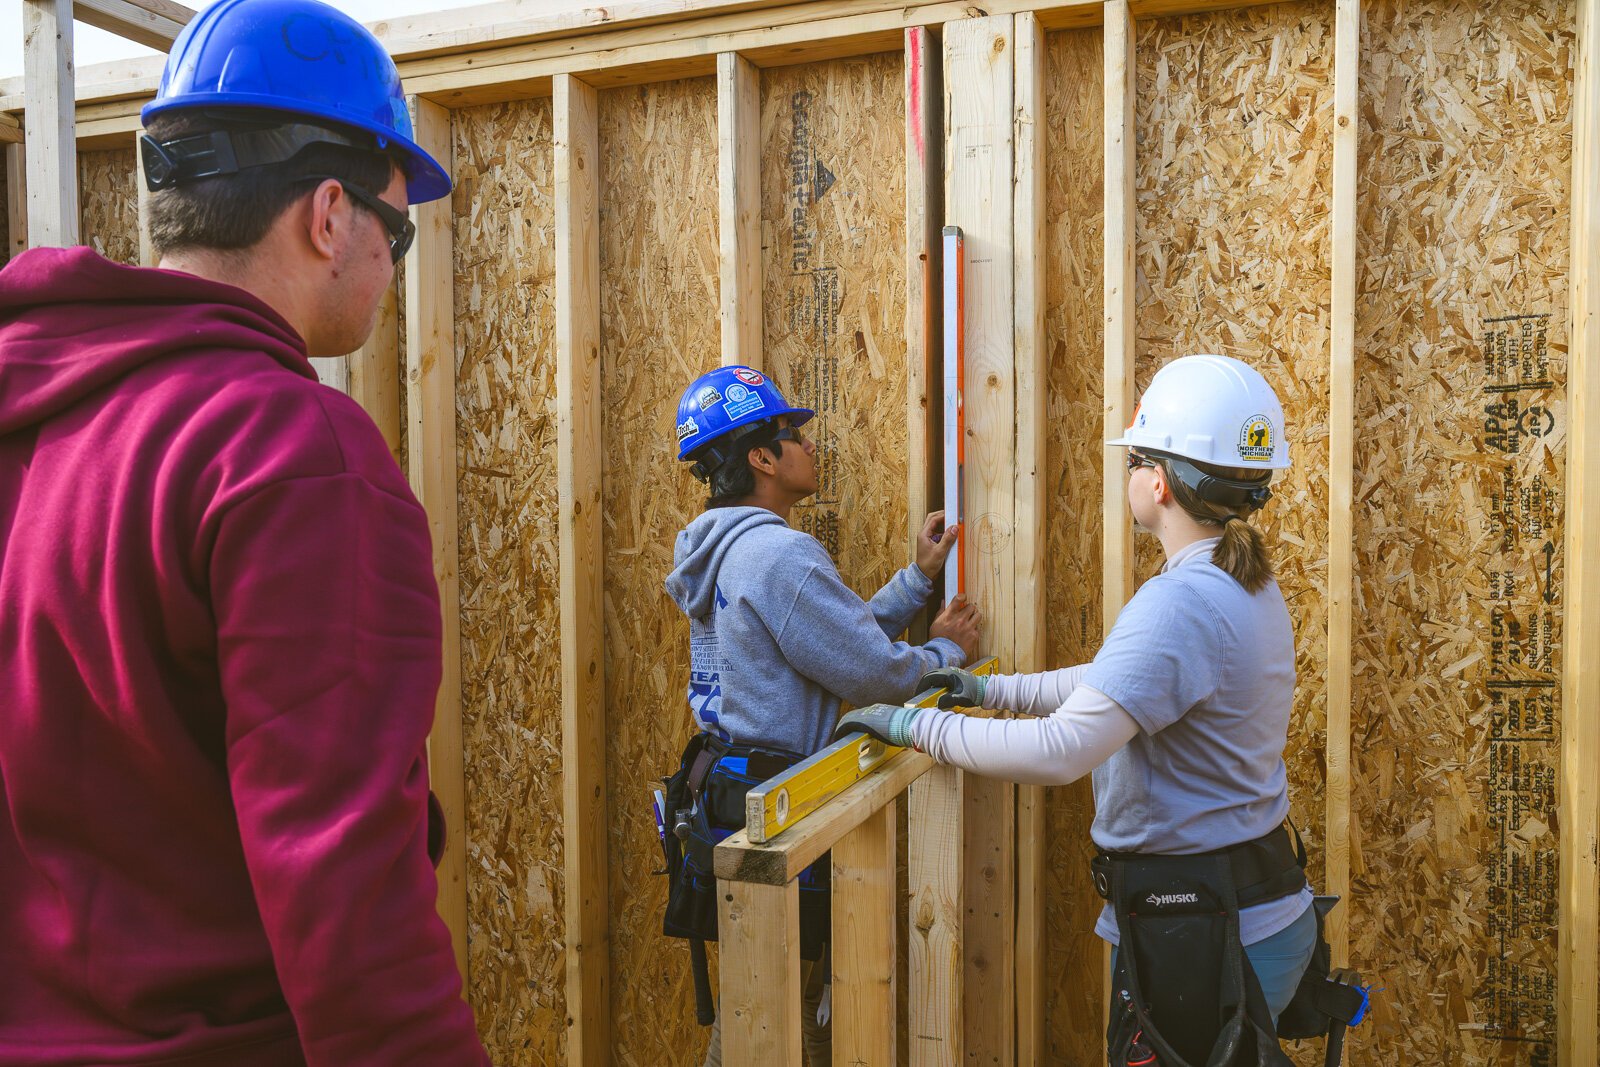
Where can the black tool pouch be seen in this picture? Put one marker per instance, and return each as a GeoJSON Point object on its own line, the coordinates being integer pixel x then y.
{"type": "Point", "coordinates": [1183, 992]}
{"type": "Point", "coordinates": [715, 811]}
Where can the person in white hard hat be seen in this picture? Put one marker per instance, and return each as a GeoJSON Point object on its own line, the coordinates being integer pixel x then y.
{"type": "Point", "coordinates": [1182, 718]}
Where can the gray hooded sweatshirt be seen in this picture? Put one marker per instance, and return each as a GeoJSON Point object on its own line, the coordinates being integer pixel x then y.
{"type": "Point", "coordinates": [776, 639]}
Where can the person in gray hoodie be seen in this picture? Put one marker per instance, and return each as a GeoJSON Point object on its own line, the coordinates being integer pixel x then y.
{"type": "Point", "coordinates": [776, 638]}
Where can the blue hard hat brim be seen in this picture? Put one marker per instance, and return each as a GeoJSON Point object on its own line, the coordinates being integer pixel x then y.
{"type": "Point", "coordinates": [426, 180]}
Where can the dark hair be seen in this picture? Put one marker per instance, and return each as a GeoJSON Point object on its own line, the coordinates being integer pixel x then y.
{"type": "Point", "coordinates": [1243, 551]}
{"type": "Point", "coordinates": [733, 481]}
{"type": "Point", "coordinates": [234, 211]}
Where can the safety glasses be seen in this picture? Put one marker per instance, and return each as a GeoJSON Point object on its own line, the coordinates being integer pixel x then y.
{"type": "Point", "coordinates": [790, 433]}
{"type": "Point", "coordinates": [401, 230]}
{"type": "Point", "coordinates": [1135, 461]}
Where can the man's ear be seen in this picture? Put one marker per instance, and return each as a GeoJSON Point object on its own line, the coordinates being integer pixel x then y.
{"type": "Point", "coordinates": [327, 209]}
{"type": "Point", "coordinates": [762, 460]}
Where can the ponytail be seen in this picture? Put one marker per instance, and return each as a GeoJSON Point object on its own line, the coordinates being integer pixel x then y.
{"type": "Point", "coordinates": [1243, 551]}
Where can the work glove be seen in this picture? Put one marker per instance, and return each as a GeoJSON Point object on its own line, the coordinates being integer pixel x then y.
{"type": "Point", "coordinates": [889, 723]}
{"type": "Point", "coordinates": [963, 689]}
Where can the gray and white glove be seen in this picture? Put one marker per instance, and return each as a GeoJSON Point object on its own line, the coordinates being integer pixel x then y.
{"type": "Point", "coordinates": [963, 689]}
{"type": "Point", "coordinates": [889, 723]}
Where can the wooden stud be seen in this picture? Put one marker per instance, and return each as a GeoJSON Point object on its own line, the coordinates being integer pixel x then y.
{"type": "Point", "coordinates": [924, 218]}
{"type": "Point", "coordinates": [739, 197]}
{"type": "Point", "coordinates": [583, 754]}
{"type": "Point", "coordinates": [375, 370]}
{"type": "Point", "coordinates": [1578, 940]}
{"type": "Point", "coordinates": [16, 199]}
{"type": "Point", "coordinates": [152, 23]}
{"type": "Point", "coordinates": [333, 371]}
{"type": "Point", "coordinates": [431, 409]}
{"type": "Point", "coordinates": [147, 253]}
{"type": "Point", "coordinates": [52, 145]}
{"type": "Point", "coordinates": [10, 129]}
{"type": "Point", "coordinates": [758, 928]}
{"type": "Point", "coordinates": [1116, 548]}
{"type": "Point", "coordinates": [1341, 466]}
{"type": "Point", "coordinates": [864, 948]}
{"type": "Point", "coordinates": [938, 896]}
{"type": "Point", "coordinates": [1030, 492]}
{"type": "Point", "coordinates": [979, 54]}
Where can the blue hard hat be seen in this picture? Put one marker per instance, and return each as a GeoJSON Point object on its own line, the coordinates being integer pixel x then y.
{"type": "Point", "coordinates": [303, 60]}
{"type": "Point", "coordinates": [720, 401]}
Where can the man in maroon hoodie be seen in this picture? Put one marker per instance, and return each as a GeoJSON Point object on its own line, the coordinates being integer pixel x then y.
{"type": "Point", "coordinates": [219, 627]}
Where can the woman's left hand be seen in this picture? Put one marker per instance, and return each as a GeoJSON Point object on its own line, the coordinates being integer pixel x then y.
{"type": "Point", "coordinates": [935, 543]}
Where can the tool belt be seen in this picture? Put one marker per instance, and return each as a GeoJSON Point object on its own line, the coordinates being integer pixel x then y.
{"type": "Point", "coordinates": [705, 805]}
{"type": "Point", "coordinates": [1183, 992]}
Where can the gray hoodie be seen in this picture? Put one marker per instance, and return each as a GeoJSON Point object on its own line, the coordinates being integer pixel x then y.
{"type": "Point", "coordinates": [776, 639]}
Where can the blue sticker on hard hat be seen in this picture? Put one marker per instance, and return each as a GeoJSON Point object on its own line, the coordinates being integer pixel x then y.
{"type": "Point", "coordinates": [687, 428]}
{"type": "Point", "coordinates": [1255, 440]}
{"type": "Point", "coordinates": [742, 401]}
{"type": "Point", "coordinates": [707, 397]}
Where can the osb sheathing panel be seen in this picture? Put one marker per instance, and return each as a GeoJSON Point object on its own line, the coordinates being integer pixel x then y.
{"type": "Point", "coordinates": [108, 203]}
{"type": "Point", "coordinates": [1233, 256]}
{"type": "Point", "coordinates": [1464, 217]}
{"type": "Point", "coordinates": [1074, 343]}
{"type": "Point", "coordinates": [658, 292]}
{"type": "Point", "coordinates": [510, 615]}
{"type": "Point", "coordinates": [833, 239]}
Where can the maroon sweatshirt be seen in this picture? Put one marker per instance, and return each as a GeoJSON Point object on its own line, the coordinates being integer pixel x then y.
{"type": "Point", "coordinates": [219, 651]}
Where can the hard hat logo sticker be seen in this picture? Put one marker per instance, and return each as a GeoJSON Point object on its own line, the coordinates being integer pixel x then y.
{"type": "Point", "coordinates": [1255, 440]}
{"type": "Point", "coordinates": [742, 401]}
{"type": "Point", "coordinates": [687, 428]}
{"type": "Point", "coordinates": [748, 376]}
{"type": "Point", "coordinates": [708, 398]}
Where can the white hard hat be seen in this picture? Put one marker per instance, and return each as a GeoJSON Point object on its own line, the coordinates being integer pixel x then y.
{"type": "Point", "coordinates": [1211, 409]}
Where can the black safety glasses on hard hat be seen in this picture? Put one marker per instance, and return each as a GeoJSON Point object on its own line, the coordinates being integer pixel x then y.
{"type": "Point", "coordinates": [401, 230]}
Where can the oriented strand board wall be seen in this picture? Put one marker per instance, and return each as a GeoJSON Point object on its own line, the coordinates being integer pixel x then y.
{"type": "Point", "coordinates": [1233, 255]}
{"type": "Point", "coordinates": [510, 617]}
{"type": "Point", "coordinates": [1074, 342]}
{"type": "Point", "coordinates": [1465, 165]}
{"type": "Point", "coordinates": [833, 235]}
{"type": "Point", "coordinates": [108, 203]}
{"type": "Point", "coordinates": [658, 279]}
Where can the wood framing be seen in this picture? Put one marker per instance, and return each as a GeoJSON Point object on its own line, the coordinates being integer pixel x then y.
{"type": "Point", "coordinates": [864, 942]}
{"type": "Point", "coordinates": [924, 218]}
{"type": "Point", "coordinates": [980, 156]}
{"type": "Point", "coordinates": [1030, 494]}
{"type": "Point", "coordinates": [583, 793]}
{"type": "Point", "coordinates": [16, 199]}
{"type": "Point", "coordinates": [1578, 994]}
{"type": "Point", "coordinates": [758, 927]}
{"type": "Point", "coordinates": [937, 860]}
{"type": "Point", "coordinates": [52, 154]}
{"type": "Point", "coordinates": [152, 23]}
{"type": "Point", "coordinates": [147, 253]}
{"type": "Point", "coordinates": [739, 200]}
{"type": "Point", "coordinates": [374, 370]}
{"type": "Point", "coordinates": [1117, 548]}
{"type": "Point", "coordinates": [431, 415]}
{"type": "Point", "coordinates": [10, 129]}
{"type": "Point", "coordinates": [1341, 467]}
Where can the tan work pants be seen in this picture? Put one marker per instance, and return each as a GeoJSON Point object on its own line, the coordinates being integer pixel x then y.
{"type": "Point", "coordinates": [818, 1039]}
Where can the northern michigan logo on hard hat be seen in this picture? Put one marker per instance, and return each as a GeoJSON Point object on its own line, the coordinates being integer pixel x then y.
{"type": "Point", "coordinates": [1255, 440]}
{"type": "Point", "coordinates": [742, 401]}
{"type": "Point", "coordinates": [708, 398]}
{"type": "Point", "coordinates": [687, 428]}
{"type": "Point", "coordinates": [749, 377]}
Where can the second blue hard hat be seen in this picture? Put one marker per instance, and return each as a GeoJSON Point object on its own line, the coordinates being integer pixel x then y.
{"type": "Point", "coordinates": [721, 401]}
